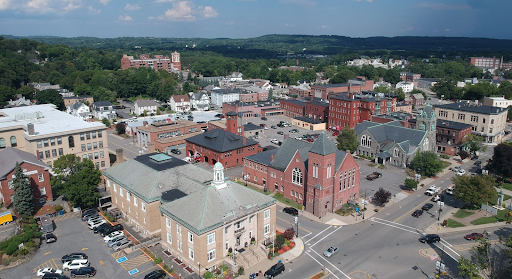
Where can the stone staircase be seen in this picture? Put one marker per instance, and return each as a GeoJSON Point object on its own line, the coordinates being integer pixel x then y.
{"type": "Point", "coordinates": [251, 256]}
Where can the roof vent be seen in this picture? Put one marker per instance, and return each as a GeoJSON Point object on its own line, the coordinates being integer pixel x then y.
{"type": "Point", "coordinates": [160, 186]}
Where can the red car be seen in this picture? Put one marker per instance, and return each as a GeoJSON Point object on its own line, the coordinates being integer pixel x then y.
{"type": "Point", "coordinates": [474, 236]}
{"type": "Point", "coordinates": [310, 140]}
{"type": "Point", "coordinates": [335, 134]}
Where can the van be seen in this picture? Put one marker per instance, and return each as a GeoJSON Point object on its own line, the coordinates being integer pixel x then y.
{"type": "Point", "coordinates": [276, 269]}
{"type": "Point", "coordinates": [430, 238]}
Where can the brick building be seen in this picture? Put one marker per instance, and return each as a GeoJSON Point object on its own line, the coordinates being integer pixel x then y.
{"type": "Point", "coordinates": [167, 134]}
{"type": "Point", "coordinates": [293, 108]}
{"type": "Point", "coordinates": [35, 169]}
{"type": "Point", "coordinates": [359, 84]}
{"type": "Point", "coordinates": [256, 109]}
{"type": "Point", "coordinates": [486, 63]}
{"type": "Point", "coordinates": [449, 135]}
{"type": "Point", "coordinates": [317, 109]}
{"type": "Point", "coordinates": [299, 91]}
{"type": "Point", "coordinates": [225, 146]}
{"type": "Point", "coordinates": [159, 62]}
{"type": "Point", "coordinates": [350, 109]}
{"type": "Point", "coordinates": [316, 175]}
{"type": "Point", "coordinates": [75, 99]}
{"type": "Point", "coordinates": [406, 76]}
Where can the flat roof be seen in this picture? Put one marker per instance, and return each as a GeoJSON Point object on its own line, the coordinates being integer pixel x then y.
{"type": "Point", "coordinates": [473, 108]}
{"type": "Point", "coordinates": [46, 118]}
{"type": "Point", "coordinates": [308, 120]}
{"type": "Point", "coordinates": [167, 126]}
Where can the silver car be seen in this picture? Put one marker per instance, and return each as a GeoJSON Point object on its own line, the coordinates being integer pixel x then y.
{"type": "Point", "coordinates": [331, 251]}
{"type": "Point", "coordinates": [113, 241]}
{"type": "Point", "coordinates": [122, 244]}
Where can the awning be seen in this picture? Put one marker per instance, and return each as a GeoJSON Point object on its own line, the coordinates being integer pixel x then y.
{"type": "Point", "coordinates": [383, 155]}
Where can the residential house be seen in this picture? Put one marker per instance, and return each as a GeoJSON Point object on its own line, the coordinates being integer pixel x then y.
{"type": "Point", "coordinates": [44, 86]}
{"type": "Point", "coordinates": [145, 106]}
{"type": "Point", "coordinates": [179, 103]}
{"type": "Point", "coordinates": [497, 102]}
{"type": "Point", "coordinates": [104, 109]}
{"type": "Point", "coordinates": [19, 102]}
{"type": "Point", "coordinates": [235, 76]}
{"type": "Point", "coordinates": [406, 86]}
{"type": "Point", "coordinates": [79, 110]}
{"type": "Point", "coordinates": [88, 100]}
{"type": "Point", "coordinates": [199, 101]}
{"type": "Point", "coordinates": [220, 96]}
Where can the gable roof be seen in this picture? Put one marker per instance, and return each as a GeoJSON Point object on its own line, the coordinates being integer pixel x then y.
{"type": "Point", "coordinates": [177, 98]}
{"type": "Point", "coordinates": [220, 140]}
{"type": "Point", "coordinates": [146, 103]}
{"type": "Point", "coordinates": [322, 145]}
{"type": "Point", "coordinates": [10, 156]}
{"type": "Point", "coordinates": [102, 104]}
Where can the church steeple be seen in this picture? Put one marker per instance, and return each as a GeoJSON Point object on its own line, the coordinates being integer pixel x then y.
{"type": "Point", "coordinates": [218, 176]}
{"type": "Point", "coordinates": [426, 121]}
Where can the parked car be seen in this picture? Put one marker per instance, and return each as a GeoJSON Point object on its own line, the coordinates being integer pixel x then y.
{"type": "Point", "coordinates": [274, 141]}
{"type": "Point", "coordinates": [273, 127]}
{"type": "Point", "coordinates": [263, 118]}
{"type": "Point", "coordinates": [157, 274]}
{"type": "Point", "coordinates": [111, 229]}
{"type": "Point", "coordinates": [113, 241]}
{"type": "Point", "coordinates": [478, 163]}
{"type": "Point", "coordinates": [54, 276]}
{"type": "Point", "coordinates": [417, 213]}
{"type": "Point", "coordinates": [475, 157]}
{"type": "Point", "coordinates": [263, 125]}
{"type": "Point", "coordinates": [461, 172]}
{"type": "Point", "coordinates": [335, 134]}
{"type": "Point", "coordinates": [291, 211]}
{"type": "Point", "coordinates": [113, 235]}
{"type": "Point", "coordinates": [427, 206]}
{"type": "Point", "coordinates": [449, 191]}
{"type": "Point", "coordinates": [429, 192]}
{"type": "Point", "coordinates": [294, 131]}
{"type": "Point", "coordinates": [310, 140]}
{"type": "Point", "coordinates": [456, 169]}
{"type": "Point", "coordinates": [75, 264]}
{"type": "Point", "coordinates": [88, 271]}
{"type": "Point", "coordinates": [429, 238]}
{"type": "Point", "coordinates": [101, 227]}
{"type": "Point", "coordinates": [331, 251]}
{"type": "Point", "coordinates": [89, 215]}
{"type": "Point", "coordinates": [274, 270]}
{"type": "Point", "coordinates": [436, 198]}
{"type": "Point", "coordinates": [122, 244]}
{"type": "Point", "coordinates": [434, 188]}
{"type": "Point", "coordinates": [473, 236]}
{"type": "Point", "coordinates": [97, 224]}
{"type": "Point", "coordinates": [94, 218]}
{"type": "Point", "coordinates": [374, 175]}
{"type": "Point", "coordinates": [176, 151]}
{"type": "Point", "coordinates": [73, 256]}
{"type": "Point", "coordinates": [42, 271]}
{"type": "Point", "coordinates": [50, 237]}
{"type": "Point", "coordinates": [280, 133]}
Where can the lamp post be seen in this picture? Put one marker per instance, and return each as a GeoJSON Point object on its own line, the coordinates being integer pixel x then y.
{"type": "Point", "coordinates": [199, 264]}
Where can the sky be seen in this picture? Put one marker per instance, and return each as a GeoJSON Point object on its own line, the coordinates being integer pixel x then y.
{"type": "Point", "coordinates": [252, 18]}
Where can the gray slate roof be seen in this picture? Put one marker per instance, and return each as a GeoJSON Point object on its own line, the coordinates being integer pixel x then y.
{"type": "Point", "coordinates": [220, 140]}
{"type": "Point", "coordinates": [408, 139]}
{"type": "Point", "coordinates": [251, 127]}
{"type": "Point", "coordinates": [473, 108]}
{"type": "Point", "coordinates": [209, 207]}
{"type": "Point", "coordinates": [102, 104]}
{"type": "Point", "coordinates": [10, 156]}
{"type": "Point", "coordinates": [323, 146]}
{"type": "Point", "coordinates": [158, 177]}
{"type": "Point", "coordinates": [146, 103]}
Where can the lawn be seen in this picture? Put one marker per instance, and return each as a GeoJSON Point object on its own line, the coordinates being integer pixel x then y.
{"type": "Point", "coordinates": [501, 217]}
{"type": "Point", "coordinates": [256, 189]}
{"type": "Point", "coordinates": [445, 164]}
{"type": "Point", "coordinates": [463, 214]}
{"type": "Point", "coordinates": [286, 201]}
{"type": "Point", "coordinates": [454, 224]}
{"type": "Point", "coordinates": [507, 186]}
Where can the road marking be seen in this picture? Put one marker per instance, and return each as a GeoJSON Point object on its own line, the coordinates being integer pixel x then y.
{"type": "Point", "coordinates": [300, 228]}
{"type": "Point", "coordinates": [148, 269]}
{"type": "Point", "coordinates": [331, 264]}
{"type": "Point", "coordinates": [393, 226]}
{"type": "Point", "coordinates": [110, 143]}
{"type": "Point", "coordinates": [47, 253]}
{"type": "Point", "coordinates": [318, 234]}
{"type": "Point", "coordinates": [120, 260]}
{"type": "Point", "coordinates": [384, 220]}
{"type": "Point", "coordinates": [325, 236]}
{"type": "Point", "coordinates": [51, 264]}
{"type": "Point", "coordinates": [306, 235]}
{"type": "Point", "coordinates": [445, 252]}
{"type": "Point", "coordinates": [83, 249]}
{"type": "Point", "coordinates": [133, 271]}
{"type": "Point", "coordinates": [323, 266]}
{"type": "Point", "coordinates": [137, 261]}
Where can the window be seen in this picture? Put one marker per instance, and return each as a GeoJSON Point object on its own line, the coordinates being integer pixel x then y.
{"type": "Point", "coordinates": [297, 176]}
{"type": "Point", "coordinates": [227, 245]}
{"type": "Point", "coordinates": [211, 255]}
{"type": "Point", "coordinates": [99, 134]}
{"type": "Point", "coordinates": [61, 151]}
{"type": "Point", "coordinates": [40, 177]}
{"type": "Point", "coordinates": [84, 156]}
{"type": "Point", "coordinates": [40, 155]}
{"type": "Point", "coordinates": [169, 238]}
{"type": "Point", "coordinates": [143, 205]}
{"type": "Point", "coordinates": [13, 141]}
{"type": "Point", "coordinates": [39, 144]}
{"type": "Point", "coordinates": [71, 142]}
{"type": "Point", "coordinates": [102, 164]}
{"type": "Point", "coordinates": [266, 229]}
{"type": "Point", "coordinates": [291, 193]}
{"type": "Point", "coordinates": [135, 201]}
{"type": "Point", "coordinates": [93, 135]}
{"type": "Point", "coordinates": [121, 192]}
{"type": "Point", "coordinates": [82, 136]}
{"type": "Point", "coordinates": [83, 147]}
{"type": "Point", "coordinates": [300, 196]}
{"type": "Point", "coordinates": [178, 229]}
{"type": "Point", "coordinates": [9, 183]}
{"type": "Point", "coordinates": [190, 253]}
{"type": "Point", "coordinates": [88, 136]}
{"type": "Point", "coordinates": [190, 237]}
{"type": "Point", "coordinates": [96, 155]}
{"type": "Point", "coordinates": [396, 152]}
{"type": "Point", "coordinates": [59, 140]}
{"type": "Point", "coordinates": [266, 213]}
{"type": "Point", "coordinates": [52, 142]}
{"type": "Point", "coordinates": [328, 171]}
{"type": "Point", "coordinates": [47, 154]}
{"type": "Point", "coordinates": [100, 144]}
{"type": "Point", "coordinates": [2, 143]}
{"type": "Point", "coordinates": [211, 238]}
{"type": "Point", "coordinates": [89, 147]}
{"type": "Point", "coordinates": [180, 245]}
{"type": "Point", "coordinates": [54, 152]}
{"type": "Point", "coordinates": [42, 190]}
{"type": "Point", "coordinates": [168, 222]}
{"type": "Point", "coordinates": [425, 144]}
{"type": "Point", "coordinates": [492, 122]}
{"type": "Point", "coordinates": [95, 145]}
{"type": "Point", "coordinates": [101, 154]}
{"type": "Point", "coordinates": [353, 177]}
{"type": "Point", "coordinates": [45, 142]}
{"type": "Point", "coordinates": [250, 219]}
{"type": "Point", "coordinates": [128, 196]}
{"type": "Point", "coordinates": [115, 188]}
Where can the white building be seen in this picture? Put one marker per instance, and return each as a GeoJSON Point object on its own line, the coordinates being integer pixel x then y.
{"type": "Point", "coordinates": [407, 87]}
{"type": "Point", "coordinates": [79, 110]}
{"type": "Point", "coordinates": [179, 103]}
{"type": "Point", "coordinates": [236, 76]}
{"type": "Point", "coordinates": [45, 86]}
{"type": "Point", "coordinates": [103, 109]}
{"type": "Point", "coordinates": [220, 96]}
{"type": "Point", "coordinates": [149, 106]}
{"type": "Point", "coordinates": [497, 102]}
{"type": "Point", "coordinates": [200, 101]}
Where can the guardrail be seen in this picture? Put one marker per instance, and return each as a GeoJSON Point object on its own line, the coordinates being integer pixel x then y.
{"type": "Point", "coordinates": [149, 243]}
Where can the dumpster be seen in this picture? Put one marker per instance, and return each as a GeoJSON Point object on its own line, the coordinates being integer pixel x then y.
{"type": "Point", "coordinates": [5, 217]}
{"type": "Point", "coordinates": [46, 224]}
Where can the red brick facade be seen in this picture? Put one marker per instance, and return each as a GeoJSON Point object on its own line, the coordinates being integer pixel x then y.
{"type": "Point", "coordinates": [317, 110]}
{"type": "Point", "coordinates": [357, 85]}
{"type": "Point", "coordinates": [293, 108]}
{"type": "Point", "coordinates": [159, 62]}
{"type": "Point", "coordinates": [39, 180]}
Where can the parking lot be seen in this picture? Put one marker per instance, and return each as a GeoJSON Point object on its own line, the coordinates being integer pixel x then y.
{"type": "Point", "coordinates": [73, 236]}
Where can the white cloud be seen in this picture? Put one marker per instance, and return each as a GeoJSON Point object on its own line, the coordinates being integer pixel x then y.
{"type": "Point", "coordinates": [186, 11]}
{"type": "Point", "coordinates": [324, 26]}
{"type": "Point", "coordinates": [93, 11]}
{"type": "Point", "coordinates": [302, 3]}
{"type": "Point", "coordinates": [151, 17]}
{"type": "Point", "coordinates": [71, 7]}
{"type": "Point", "coordinates": [130, 7]}
{"type": "Point", "coordinates": [4, 4]}
{"type": "Point", "coordinates": [125, 18]}
{"type": "Point", "coordinates": [289, 25]}
{"type": "Point", "coordinates": [442, 6]}
{"type": "Point", "coordinates": [447, 30]}
{"type": "Point", "coordinates": [104, 2]}
{"type": "Point", "coordinates": [163, 1]}
{"type": "Point", "coordinates": [39, 6]}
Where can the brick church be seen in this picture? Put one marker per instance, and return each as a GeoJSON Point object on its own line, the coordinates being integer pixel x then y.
{"type": "Point", "coordinates": [316, 175]}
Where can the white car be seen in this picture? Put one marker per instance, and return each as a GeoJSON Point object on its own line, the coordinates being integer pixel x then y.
{"type": "Point", "coordinates": [122, 244]}
{"type": "Point", "coordinates": [42, 271]}
{"type": "Point", "coordinates": [430, 192]}
{"type": "Point", "coordinates": [274, 141]}
{"type": "Point", "coordinates": [94, 219]}
{"type": "Point", "coordinates": [461, 172]}
{"type": "Point", "coordinates": [95, 224]}
{"type": "Point", "coordinates": [75, 264]}
{"type": "Point", "coordinates": [434, 188]}
{"type": "Point", "coordinates": [113, 235]}
{"type": "Point", "coordinates": [456, 169]}
{"type": "Point", "coordinates": [449, 191]}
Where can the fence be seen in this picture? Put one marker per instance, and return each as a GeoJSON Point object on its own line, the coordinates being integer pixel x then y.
{"type": "Point", "coordinates": [149, 243]}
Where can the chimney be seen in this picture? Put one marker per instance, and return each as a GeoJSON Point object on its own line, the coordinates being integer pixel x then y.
{"type": "Point", "coordinates": [272, 157]}
{"type": "Point", "coordinates": [311, 98]}
{"type": "Point", "coordinates": [351, 95]}
{"type": "Point", "coordinates": [151, 148]}
{"type": "Point", "coordinates": [31, 129]}
{"type": "Point", "coordinates": [119, 155]}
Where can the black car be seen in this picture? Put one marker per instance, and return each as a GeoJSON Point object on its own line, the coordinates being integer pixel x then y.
{"type": "Point", "coordinates": [429, 238]}
{"type": "Point", "coordinates": [263, 118]}
{"type": "Point", "coordinates": [88, 271]}
{"type": "Point", "coordinates": [218, 115]}
{"type": "Point", "coordinates": [427, 206]}
{"type": "Point", "coordinates": [73, 256]}
{"type": "Point", "coordinates": [157, 274]}
{"type": "Point", "coordinates": [101, 227]}
{"type": "Point", "coordinates": [478, 163]}
{"type": "Point", "coordinates": [276, 269]}
{"type": "Point", "coordinates": [475, 158]}
{"type": "Point", "coordinates": [291, 211]}
{"type": "Point", "coordinates": [110, 230]}
{"type": "Point", "coordinates": [280, 133]}
{"type": "Point", "coordinates": [50, 237]}
{"type": "Point", "coordinates": [417, 213]}
{"type": "Point", "coordinates": [176, 151]}
{"type": "Point", "coordinates": [55, 276]}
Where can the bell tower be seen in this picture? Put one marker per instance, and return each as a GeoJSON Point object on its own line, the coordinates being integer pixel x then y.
{"type": "Point", "coordinates": [426, 121]}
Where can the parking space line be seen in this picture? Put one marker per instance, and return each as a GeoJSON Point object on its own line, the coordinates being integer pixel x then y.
{"type": "Point", "coordinates": [137, 261]}
{"type": "Point", "coordinates": [50, 263]}
{"type": "Point", "coordinates": [141, 272]}
{"type": "Point", "coordinates": [118, 254]}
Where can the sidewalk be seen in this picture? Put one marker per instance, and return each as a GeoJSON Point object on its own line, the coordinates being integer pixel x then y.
{"type": "Point", "coordinates": [443, 230]}
{"type": "Point", "coordinates": [285, 258]}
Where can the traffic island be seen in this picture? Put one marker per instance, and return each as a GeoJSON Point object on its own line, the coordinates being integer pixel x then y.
{"type": "Point", "coordinates": [320, 275]}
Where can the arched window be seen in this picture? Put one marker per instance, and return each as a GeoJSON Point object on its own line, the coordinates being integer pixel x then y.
{"type": "Point", "coordinates": [297, 176]}
{"type": "Point", "coordinates": [422, 126]}
{"type": "Point", "coordinates": [71, 141]}
{"type": "Point", "coordinates": [329, 171]}
{"type": "Point", "coordinates": [363, 140]}
{"type": "Point", "coordinates": [341, 181]}
{"type": "Point", "coordinates": [369, 142]}
{"type": "Point", "coordinates": [353, 176]}
{"type": "Point", "coordinates": [345, 181]}
{"type": "Point", "coordinates": [13, 141]}
{"type": "Point", "coordinates": [425, 144]}
{"type": "Point", "coordinates": [492, 121]}
{"type": "Point", "coordinates": [349, 177]}
{"type": "Point", "coordinates": [396, 152]}
{"type": "Point", "coordinates": [2, 143]}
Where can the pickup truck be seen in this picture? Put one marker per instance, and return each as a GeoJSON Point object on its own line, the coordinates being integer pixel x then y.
{"type": "Point", "coordinates": [374, 175]}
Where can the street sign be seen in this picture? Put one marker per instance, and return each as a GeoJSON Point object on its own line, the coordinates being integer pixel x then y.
{"type": "Point", "coordinates": [120, 260]}
{"type": "Point", "coordinates": [440, 203]}
{"type": "Point", "coordinates": [433, 257]}
{"type": "Point", "coordinates": [364, 202]}
{"type": "Point", "coordinates": [357, 209]}
{"type": "Point", "coordinates": [439, 265]}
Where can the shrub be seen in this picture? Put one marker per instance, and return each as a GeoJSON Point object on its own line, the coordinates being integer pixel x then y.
{"type": "Point", "coordinates": [168, 269]}
{"type": "Point", "coordinates": [11, 248]}
{"type": "Point", "coordinates": [289, 233]}
{"type": "Point", "coordinates": [23, 251]}
{"type": "Point", "coordinates": [382, 167]}
{"type": "Point", "coordinates": [6, 262]}
{"type": "Point", "coordinates": [157, 260]}
{"type": "Point", "coordinates": [444, 156]}
{"type": "Point", "coordinates": [207, 275]}
{"type": "Point", "coordinates": [280, 240]}
{"type": "Point", "coordinates": [241, 270]}
{"type": "Point", "coordinates": [223, 267]}
{"type": "Point", "coordinates": [58, 207]}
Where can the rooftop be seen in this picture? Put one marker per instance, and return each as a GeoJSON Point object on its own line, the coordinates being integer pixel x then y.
{"type": "Point", "coordinates": [308, 120]}
{"type": "Point", "coordinates": [10, 156]}
{"type": "Point", "coordinates": [332, 85]}
{"type": "Point", "coordinates": [221, 140]}
{"type": "Point", "coordinates": [166, 126]}
{"type": "Point", "coordinates": [46, 118]}
{"type": "Point", "coordinates": [470, 107]}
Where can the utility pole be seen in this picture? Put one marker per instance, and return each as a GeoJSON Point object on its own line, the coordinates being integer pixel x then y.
{"type": "Point", "coordinates": [297, 224]}
{"type": "Point", "coordinates": [364, 202]}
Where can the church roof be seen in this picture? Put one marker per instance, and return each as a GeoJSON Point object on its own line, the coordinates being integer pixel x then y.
{"type": "Point", "coordinates": [323, 146]}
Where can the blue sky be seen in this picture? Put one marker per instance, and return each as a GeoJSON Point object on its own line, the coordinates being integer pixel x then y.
{"type": "Point", "coordinates": [251, 18]}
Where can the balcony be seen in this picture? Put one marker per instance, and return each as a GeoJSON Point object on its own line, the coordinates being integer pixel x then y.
{"type": "Point", "coordinates": [237, 231]}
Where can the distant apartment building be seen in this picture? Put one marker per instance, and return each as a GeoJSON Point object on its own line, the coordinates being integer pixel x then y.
{"type": "Point", "coordinates": [406, 76]}
{"type": "Point", "coordinates": [293, 108]}
{"type": "Point", "coordinates": [256, 109]}
{"type": "Point", "coordinates": [358, 84]}
{"type": "Point", "coordinates": [75, 99]}
{"type": "Point", "coordinates": [220, 96]}
{"type": "Point", "coordinates": [497, 102]}
{"type": "Point", "coordinates": [406, 87]}
{"type": "Point", "coordinates": [299, 91]}
{"type": "Point", "coordinates": [486, 63]}
{"type": "Point", "coordinates": [317, 109]}
{"type": "Point", "coordinates": [44, 86]}
{"type": "Point", "coordinates": [104, 109]}
{"type": "Point", "coordinates": [147, 106]}
{"type": "Point", "coordinates": [48, 133]}
{"type": "Point", "coordinates": [158, 62]}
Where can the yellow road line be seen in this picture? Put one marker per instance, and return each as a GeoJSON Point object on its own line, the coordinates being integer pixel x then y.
{"type": "Point", "coordinates": [133, 263]}
{"type": "Point", "coordinates": [415, 208]}
{"type": "Point", "coordinates": [300, 228]}
{"type": "Point", "coordinates": [140, 272]}
{"type": "Point", "coordinates": [51, 264]}
{"type": "Point", "coordinates": [117, 255]}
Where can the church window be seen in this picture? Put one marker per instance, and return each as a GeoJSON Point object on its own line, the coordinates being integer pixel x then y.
{"type": "Point", "coordinates": [353, 177]}
{"type": "Point", "coordinates": [328, 171]}
{"type": "Point", "coordinates": [425, 144]}
{"type": "Point", "coordinates": [396, 152]}
{"type": "Point", "coordinates": [297, 176]}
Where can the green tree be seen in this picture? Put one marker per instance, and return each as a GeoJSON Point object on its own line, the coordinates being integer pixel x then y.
{"type": "Point", "coordinates": [120, 128]}
{"type": "Point", "coordinates": [347, 140]}
{"type": "Point", "coordinates": [427, 163]}
{"type": "Point", "coordinates": [411, 183]}
{"type": "Point", "coordinates": [472, 143]}
{"type": "Point", "coordinates": [501, 162]}
{"type": "Point", "coordinates": [106, 122]}
{"type": "Point", "coordinates": [23, 192]}
{"type": "Point", "coordinates": [475, 190]}
{"type": "Point", "coordinates": [467, 268]}
{"type": "Point", "coordinates": [50, 96]}
{"type": "Point", "coordinates": [271, 93]}
{"type": "Point", "coordinates": [76, 179]}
